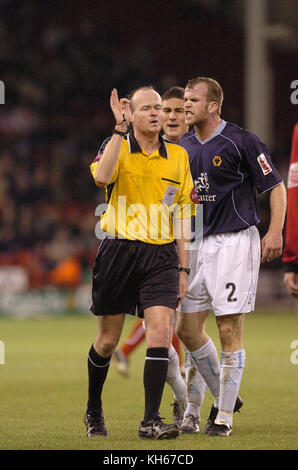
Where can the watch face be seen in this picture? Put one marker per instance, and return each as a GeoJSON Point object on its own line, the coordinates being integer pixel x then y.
{"type": "Point", "coordinates": [185, 270]}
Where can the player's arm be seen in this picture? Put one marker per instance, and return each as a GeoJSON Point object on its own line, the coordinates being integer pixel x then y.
{"type": "Point", "coordinates": [271, 244]}
{"type": "Point", "coordinates": [182, 225]}
{"type": "Point", "coordinates": [182, 231]}
{"type": "Point", "coordinates": [265, 176]}
{"type": "Point", "coordinates": [290, 255]}
{"type": "Point", "coordinates": [108, 160]}
{"type": "Point", "coordinates": [291, 283]}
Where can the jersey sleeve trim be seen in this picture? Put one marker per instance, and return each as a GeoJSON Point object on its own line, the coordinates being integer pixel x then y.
{"type": "Point", "coordinates": [269, 189]}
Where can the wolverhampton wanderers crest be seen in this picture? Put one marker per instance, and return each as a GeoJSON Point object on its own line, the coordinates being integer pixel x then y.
{"type": "Point", "coordinates": [217, 161]}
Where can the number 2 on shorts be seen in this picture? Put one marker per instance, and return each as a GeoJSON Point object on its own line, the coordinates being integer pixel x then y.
{"type": "Point", "coordinates": [231, 285]}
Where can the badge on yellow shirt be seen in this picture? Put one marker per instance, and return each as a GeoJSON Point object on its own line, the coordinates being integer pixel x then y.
{"type": "Point", "coordinates": [169, 195]}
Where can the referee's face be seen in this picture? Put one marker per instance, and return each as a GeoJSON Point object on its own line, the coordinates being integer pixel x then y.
{"type": "Point", "coordinates": [196, 104]}
{"type": "Point", "coordinates": [147, 112]}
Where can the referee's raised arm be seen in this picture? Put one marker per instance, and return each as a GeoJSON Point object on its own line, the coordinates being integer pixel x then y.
{"type": "Point", "coordinates": [110, 155]}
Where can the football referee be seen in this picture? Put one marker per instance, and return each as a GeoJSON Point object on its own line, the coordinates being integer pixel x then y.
{"type": "Point", "coordinates": [138, 266]}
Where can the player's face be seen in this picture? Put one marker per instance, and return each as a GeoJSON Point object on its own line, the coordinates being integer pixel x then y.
{"type": "Point", "coordinates": [173, 119]}
{"type": "Point", "coordinates": [196, 104]}
{"type": "Point", "coordinates": [147, 112]}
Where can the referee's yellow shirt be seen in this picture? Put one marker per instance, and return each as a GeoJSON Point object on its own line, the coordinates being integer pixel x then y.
{"type": "Point", "coordinates": [147, 191]}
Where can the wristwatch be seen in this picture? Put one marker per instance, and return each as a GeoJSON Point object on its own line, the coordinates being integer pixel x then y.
{"type": "Point", "coordinates": [185, 270]}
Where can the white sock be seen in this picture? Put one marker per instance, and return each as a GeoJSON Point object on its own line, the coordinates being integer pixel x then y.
{"type": "Point", "coordinates": [195, 387]}
{"type": "Point", "coordinates": [207, 363]}
{"type": "Point", "coordinates": [231, 370]}
{"type": "Point", "coordinates": [174, 378]}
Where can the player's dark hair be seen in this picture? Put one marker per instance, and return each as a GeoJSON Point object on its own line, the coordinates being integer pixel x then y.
{"type": "Point", "coordinates": [215, 91]}
{"type": "Point", "coordinates": [173, 92]}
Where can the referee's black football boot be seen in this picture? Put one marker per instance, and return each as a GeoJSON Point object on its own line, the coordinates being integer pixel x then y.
{"type": "Point", "coordinates": [219, 430]}
{"type": "Point", "coordinates": [214, 411]}
{"type": "Point", "coordinates": [157, 429]}
{"type": "Point", "coordinates": [95, 424]}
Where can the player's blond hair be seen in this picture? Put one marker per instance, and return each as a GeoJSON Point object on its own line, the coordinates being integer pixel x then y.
{"type": "Point", "coordinates": [215, 91]}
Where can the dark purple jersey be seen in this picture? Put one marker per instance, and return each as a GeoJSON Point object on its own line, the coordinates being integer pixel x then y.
{"type": "Point", "coordinates": [228, 169]}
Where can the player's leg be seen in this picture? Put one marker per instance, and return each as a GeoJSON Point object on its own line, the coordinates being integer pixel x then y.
{"type": "Point", "coordinates": [231, 368]}
{"type": "Point", "coordinates": [176, 382]}
{"type": "Point", "coordinates": [99, 358]}
{"type": "Point", "coordinates": [174, 377]}
{"type": "Point", "coordinates": [234, 296]}
{"type": "Point", "coordinates": [195, 390]}
{"type": "Point", "coordinates": [191, 330]}
{"type": "Point", "coordinates": [158, 334]}
{"type": "Point", "coordinates": [134, 338]}
{"type": "Point", "coordinates": [178, 347]}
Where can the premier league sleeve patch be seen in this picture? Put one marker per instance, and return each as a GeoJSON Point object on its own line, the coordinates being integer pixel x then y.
{"type": "Point", "coordinates": [262, 160]}
{"type": "Point", "coordinates": [194, 196]}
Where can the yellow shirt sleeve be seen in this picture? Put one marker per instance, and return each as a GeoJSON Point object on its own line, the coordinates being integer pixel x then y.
{"type": "Point", "coordinates": [94, 166]}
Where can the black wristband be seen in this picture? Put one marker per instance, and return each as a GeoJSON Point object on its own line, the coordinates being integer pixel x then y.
{"type": "Point", "coordinates": [185, 270]}
{"type": "Point", "coordinates": [118, 132]}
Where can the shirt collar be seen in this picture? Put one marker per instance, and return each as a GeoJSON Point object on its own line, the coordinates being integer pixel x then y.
{"type": "Point", "coordinates": [217, 132]}
{"type": "Point", "coordinates": [134, 146]}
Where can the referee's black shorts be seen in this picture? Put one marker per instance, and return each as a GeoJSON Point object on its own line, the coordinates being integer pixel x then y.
{"type": "Point", "coordinates": [129, 274]}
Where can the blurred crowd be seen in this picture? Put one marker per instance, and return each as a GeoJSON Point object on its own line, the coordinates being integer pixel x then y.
{"type": "Point", "coordinates": [50, 127]}
{"type": "Point", "coordinates": [57, 77]}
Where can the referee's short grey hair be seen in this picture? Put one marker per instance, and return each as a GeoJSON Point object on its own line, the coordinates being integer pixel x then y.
{"type": "Point", "coordinates": [131, 95]}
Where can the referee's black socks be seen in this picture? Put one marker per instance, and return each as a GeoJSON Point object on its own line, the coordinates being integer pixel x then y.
{"type": "Point", "coordinates": [155, 374]}
{"type": "Point", "coordinates": [98, 367]}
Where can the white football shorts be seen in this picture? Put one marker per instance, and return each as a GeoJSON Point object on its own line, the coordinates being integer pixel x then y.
{"type": "Point", "coordinates": [224, 273]}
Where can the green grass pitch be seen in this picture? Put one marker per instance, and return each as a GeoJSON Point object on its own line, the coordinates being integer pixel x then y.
{"type": "Point", "coordinates": [43, 389]}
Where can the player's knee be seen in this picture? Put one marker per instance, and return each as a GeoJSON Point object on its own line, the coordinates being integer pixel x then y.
{"type": "Point", "coordinates": [230, 330]}
{"type": "Point", "coordinates": [226, 333]}
{"type": "Point", "coordinates": [158, 337]}
{"type": "Point", "coordinates": [184, 334]}
{"type": "Point", "coordinates": [105, 345]}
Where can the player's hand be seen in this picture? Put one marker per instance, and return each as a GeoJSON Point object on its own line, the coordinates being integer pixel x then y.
{"type": "Point", "coordinates": [291, 283]}
{"type": "Point", "coordinates": [271, 246]}
{"type": "Point", "coordinates": [121, 110]}
{"type": "Point", "coordinates": [183, 287]}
